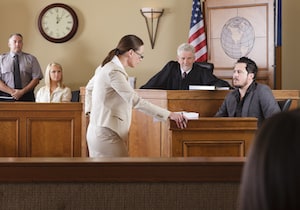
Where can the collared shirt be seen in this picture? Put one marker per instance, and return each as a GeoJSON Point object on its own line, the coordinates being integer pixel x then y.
{"type": "Point", "coordinates": [58, 95]}
{"type": "Point", "coordinates": [29, 68]}
{"type": "Point", "coordinates": [187, 72]}
{"type": "Point", "coordinates": [240, 101]}
{"type": "Point", "coordinates": [117, 61]}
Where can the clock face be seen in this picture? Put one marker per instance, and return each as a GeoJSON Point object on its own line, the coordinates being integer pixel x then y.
{"type": "Point", "coordinates": [58, 23]}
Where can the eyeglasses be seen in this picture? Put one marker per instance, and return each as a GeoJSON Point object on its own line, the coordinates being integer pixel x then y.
{"type": "Point", "coordinates": [139, 54]}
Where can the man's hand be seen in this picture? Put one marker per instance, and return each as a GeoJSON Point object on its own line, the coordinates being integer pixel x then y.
{"type": "Point", "coordinates": [17, 94]}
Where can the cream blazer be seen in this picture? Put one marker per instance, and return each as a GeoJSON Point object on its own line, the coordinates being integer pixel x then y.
{"type": "Point", "coordinates": [113, 99]}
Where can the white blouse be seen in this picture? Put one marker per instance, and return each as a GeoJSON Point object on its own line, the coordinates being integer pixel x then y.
{"type": "Point", "coordinates": [58, 95]}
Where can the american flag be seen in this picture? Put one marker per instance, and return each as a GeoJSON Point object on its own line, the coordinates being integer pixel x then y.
{"type": "Point", "coordinates": [278, 20]}
{"type": "Point", "coordinates": [197, 33]}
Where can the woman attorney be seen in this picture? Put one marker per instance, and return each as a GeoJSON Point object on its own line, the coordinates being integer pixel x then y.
{"type": "Point", "coordinates": [113, 99]}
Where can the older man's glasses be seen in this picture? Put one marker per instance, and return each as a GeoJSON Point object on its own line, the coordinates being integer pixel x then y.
{"type": "Point", "coordinates": [139, 54]}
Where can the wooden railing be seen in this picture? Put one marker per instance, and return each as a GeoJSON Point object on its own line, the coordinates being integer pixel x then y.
{"type": "Point", "coordinates": [121, 169]}
{"type": "Point", "coordinates": [120, 183]}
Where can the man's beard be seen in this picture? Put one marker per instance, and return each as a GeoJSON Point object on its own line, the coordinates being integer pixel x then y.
{"type": "Point", "coordinates": [238, 85]}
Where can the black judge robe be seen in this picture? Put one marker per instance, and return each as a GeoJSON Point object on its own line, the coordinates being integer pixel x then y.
{"type": "Point", "coordinates": [170, 78]}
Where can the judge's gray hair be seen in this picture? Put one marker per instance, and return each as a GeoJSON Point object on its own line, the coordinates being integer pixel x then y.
{"type": "Point", "coordinates": [185, 47]}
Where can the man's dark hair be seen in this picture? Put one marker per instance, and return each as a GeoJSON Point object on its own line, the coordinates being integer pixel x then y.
{"type": "Point", "coordinates": [251, 66]}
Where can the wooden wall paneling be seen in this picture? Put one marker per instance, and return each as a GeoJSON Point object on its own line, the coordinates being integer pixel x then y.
{"type": "Point", "coordinates": [9, 136]}
{"type": "Point", "coordinates": [155, 132]}
{"type": "Point", "coordinates": [213, 137]}
{"type": "Point", "coordinates": [50, 137]}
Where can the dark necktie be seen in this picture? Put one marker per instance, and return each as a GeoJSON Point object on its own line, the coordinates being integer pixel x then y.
{"type": "Point", "coordinates": [17, 77]}
{"type": "Point", "coordinates": [184, 75]}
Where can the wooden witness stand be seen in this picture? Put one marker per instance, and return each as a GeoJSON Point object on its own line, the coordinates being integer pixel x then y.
{"type": "Point", "coordinates": [212, 137]}
{"type": "Point", "coordinates": [207, 136]}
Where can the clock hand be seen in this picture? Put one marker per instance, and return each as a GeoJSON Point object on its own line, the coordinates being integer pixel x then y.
{"type": "Point", "coordinates": [62, 14]}
{"type": "Point", "coordinates": [57, 19]}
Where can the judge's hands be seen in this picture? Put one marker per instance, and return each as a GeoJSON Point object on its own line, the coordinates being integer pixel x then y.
{"type": "Point", "coordinates": [179, 118]}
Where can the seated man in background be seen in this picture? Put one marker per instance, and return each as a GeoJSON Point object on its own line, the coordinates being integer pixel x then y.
{"type": "Point", "coordinates": [180, 74]}
{"type": "Point", "coordinates": [248, 99]}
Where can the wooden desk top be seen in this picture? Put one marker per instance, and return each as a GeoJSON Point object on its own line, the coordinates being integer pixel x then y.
{"type": "Point", "coordinates": [213, 123]}
{"type": "Point", "coordinates": [33, 106]}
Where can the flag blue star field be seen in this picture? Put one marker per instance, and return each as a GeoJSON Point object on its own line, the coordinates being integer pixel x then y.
{"type": "Point", "coordinates": [197, 36]}
{"type": "Point", "coordinates": [278, 29]}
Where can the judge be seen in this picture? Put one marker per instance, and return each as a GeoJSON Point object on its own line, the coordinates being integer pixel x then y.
{"type": "Point", "coordinates": [180, 74]}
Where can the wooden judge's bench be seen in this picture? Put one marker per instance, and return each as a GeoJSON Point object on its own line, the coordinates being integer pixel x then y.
{"type": "Point", "coordinates": [206, 136]}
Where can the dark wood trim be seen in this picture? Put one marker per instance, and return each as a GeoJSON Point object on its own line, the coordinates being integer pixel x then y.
{"type": "Point", "coordinates": [278, 68]}
{"type": "Point", "coordinates": [121, 169]}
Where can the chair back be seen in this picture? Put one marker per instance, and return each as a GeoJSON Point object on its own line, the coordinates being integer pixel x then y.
{"type": "Point", "coordinates": [285, 104]}
{"type": "Point", "coordinates": [75, 96]}
{"type": "Point", "coordinates": [206, 65]}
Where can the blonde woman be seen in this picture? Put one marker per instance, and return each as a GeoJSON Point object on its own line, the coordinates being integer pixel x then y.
{"type": "Point", "coordinates": [54, 89]}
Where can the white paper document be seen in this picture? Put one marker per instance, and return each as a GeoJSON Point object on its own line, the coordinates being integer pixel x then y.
{"type": "Point", "coordinates": [190, 115]}
{"type": "Point", "coordinates": [206, 87]}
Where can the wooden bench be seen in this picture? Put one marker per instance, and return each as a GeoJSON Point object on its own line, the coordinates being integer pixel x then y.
{"type": "Point", "coordinates": [120, 183]}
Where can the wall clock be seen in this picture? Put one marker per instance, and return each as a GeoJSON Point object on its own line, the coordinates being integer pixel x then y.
{"type": "Point", "coordinates": [58, 23]}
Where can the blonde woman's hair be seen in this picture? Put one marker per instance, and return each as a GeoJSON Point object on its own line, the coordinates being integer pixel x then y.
{"type": "Point", "coordinates": [47, 74]}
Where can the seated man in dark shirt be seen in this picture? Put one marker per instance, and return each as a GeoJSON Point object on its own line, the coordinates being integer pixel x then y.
{"type": "Point", "coordinates": [180, 74]}
{"type": "Point", "coordinates": [249, 98]}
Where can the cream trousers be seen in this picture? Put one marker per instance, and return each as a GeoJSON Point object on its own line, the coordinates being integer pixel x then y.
{"type": "Point", "coordinates": [104, 142]}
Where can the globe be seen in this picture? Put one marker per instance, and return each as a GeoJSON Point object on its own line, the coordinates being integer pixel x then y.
{"type": "Point", "coordinates": [237, 37]}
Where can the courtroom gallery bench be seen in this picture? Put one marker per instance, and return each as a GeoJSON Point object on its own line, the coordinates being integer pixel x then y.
{"type": "Point", "coordinates": [119, 183]}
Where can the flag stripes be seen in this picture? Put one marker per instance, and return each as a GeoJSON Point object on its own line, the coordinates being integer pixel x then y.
{"type": "Point", "coordinates": [197, 36]}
